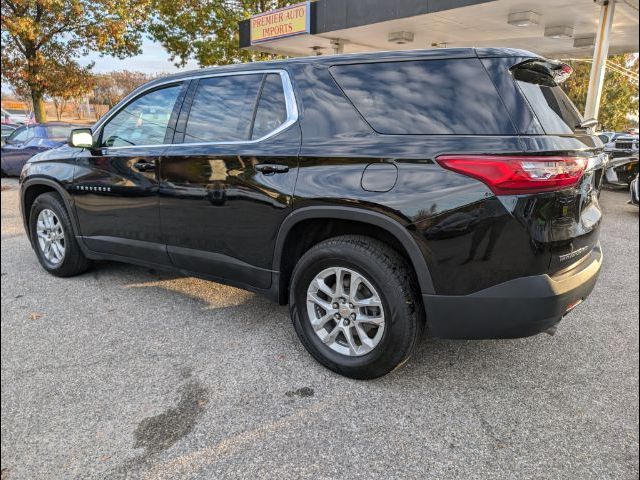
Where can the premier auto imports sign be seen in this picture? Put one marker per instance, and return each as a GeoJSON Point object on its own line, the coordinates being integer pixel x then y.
{"type": "Point", "coordinates": [284, 22]}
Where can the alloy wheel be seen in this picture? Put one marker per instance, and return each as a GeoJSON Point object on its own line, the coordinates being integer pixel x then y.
{"type": "Point", "coordinates": [50, 236]}
{"type": "Point", "coordinates": [345, 311]}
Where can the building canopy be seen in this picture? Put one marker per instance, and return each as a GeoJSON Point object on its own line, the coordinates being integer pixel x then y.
{"type": "Point", "coordinates": [552, 28]}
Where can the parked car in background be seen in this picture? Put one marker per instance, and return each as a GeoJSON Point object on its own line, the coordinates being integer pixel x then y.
{"type": "Point", "coordinates": [27, 140]}
{"type": "Point", "coordinates": [624, 145]}
{"type": "Point", "coordinates": [7, 129]}
{"type": "Point", "coordinates": [607, 137]}
{"type": "Point", "coordinates": [15, 116]}
{"type": "Point", "coordinates": [635, 192]}
{"type": "Point", "coordinates": [5, 117]}
{"type": "Point", "coordinates": [622, 152]}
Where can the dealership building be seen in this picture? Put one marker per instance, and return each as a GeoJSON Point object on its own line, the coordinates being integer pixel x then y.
{"type": "Point", "coordinates": [589, 30]}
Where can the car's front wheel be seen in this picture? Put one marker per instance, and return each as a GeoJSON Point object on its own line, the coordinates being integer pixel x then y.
{"type": "Point", "coordinates": [52, 237]}
{"type": "Point", "coordinates": [354, 306]}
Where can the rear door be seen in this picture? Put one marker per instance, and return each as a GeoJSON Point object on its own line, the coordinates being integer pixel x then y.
{"type": "Point", "coordinates": [116, 184]}
{"type": "Point", "coordinates": [227, 182]}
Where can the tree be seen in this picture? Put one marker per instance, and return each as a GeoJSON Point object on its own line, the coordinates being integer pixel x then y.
{"type": "Point", "coordinates": [40, 35]}
{"type": "Point", "coordinates": [206, 30]}
{"type": "Point", "coordinates": [126, 80]}
{"type": "Point", "coordinates": [78, 104]}
{"type": "Point", "coordinates": [619, 93]}
{"type": "Point", "coordinates": [110, 88]}
{"type": "Point", "coordinates": [71, 81]}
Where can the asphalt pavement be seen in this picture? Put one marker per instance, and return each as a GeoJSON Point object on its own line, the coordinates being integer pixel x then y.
{"type": "Point", "coordinates": [125, 372]}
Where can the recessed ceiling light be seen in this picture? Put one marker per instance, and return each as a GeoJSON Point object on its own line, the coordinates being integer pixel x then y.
{"type": "Point", "coordinates": [524, 19]}
{"type": "Point", "coordinates": [400, 38]}
{"type": "Point", "coordinates": [560, 31]}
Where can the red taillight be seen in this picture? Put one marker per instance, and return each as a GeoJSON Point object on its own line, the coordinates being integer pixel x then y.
{"type": "Point", "coordinates": [514, 175]}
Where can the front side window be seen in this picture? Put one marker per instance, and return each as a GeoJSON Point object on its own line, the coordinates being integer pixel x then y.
{"type": "Point", "coordinates": [222, 109]}
{"type": "Point", "coordinates": [143, 121]}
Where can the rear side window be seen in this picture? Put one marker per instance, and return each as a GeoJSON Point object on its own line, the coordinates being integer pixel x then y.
{"type": "Point", "coordinates": [555, 112]}
{"type": "Point", "coordinates": [426, 97]}
{"type": "Point", "coordinates": [272, 107]}
{"type": "Point", "coordinates": [222, 109]}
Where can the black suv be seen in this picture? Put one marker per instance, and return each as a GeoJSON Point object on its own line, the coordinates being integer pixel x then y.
{"type": "Point", "coordinates": [379, 195]}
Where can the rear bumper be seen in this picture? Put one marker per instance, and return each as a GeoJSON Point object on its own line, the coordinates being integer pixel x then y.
{"type": "Point", "coordinates": [517, 308]}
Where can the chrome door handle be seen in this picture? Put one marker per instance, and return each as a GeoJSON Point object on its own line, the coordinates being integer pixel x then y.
{"type": "Point", "coordinates": [144, 166]}
{"type": "Point", "coordinates": [271, 168]}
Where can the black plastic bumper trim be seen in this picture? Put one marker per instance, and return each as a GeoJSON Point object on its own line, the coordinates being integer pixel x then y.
{"type": "Point", "coordinates": [517, 308]}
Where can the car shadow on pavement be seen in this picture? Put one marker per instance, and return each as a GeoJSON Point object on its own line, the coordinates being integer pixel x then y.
{"type": "Point", "coordinates": [204, 301]}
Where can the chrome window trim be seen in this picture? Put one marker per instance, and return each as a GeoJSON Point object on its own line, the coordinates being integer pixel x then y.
{"type": "Point", "coordinates": [289, 97]}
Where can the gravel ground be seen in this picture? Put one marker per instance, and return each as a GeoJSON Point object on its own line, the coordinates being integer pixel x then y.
{"type": "Point", "coordinates": [129, 373]}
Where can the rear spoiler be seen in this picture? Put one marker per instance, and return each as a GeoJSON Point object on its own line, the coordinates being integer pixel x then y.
{"type": "Point", "coordinates": [558, 70]}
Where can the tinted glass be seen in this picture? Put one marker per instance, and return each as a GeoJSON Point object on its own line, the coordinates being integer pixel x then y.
{"type": "Point", "coordinates": [554, 110]}
{"type": "Point", "coordinates": [272, 107]}
{"type": "Point", "coordinates": [222, 109]}
{"type": "Point", "coordinates": [143, 121]}
{"type": "Point", "coordinates": [21, 135]}
{"type": "Point", "coordinates": [425, 97]}
{"type": "Point", "coordinates": [58, 132]}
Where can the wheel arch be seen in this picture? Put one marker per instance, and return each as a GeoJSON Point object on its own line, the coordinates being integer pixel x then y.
{"type": "Point", "coordinates": [33, 188]}
{"type": "Point", "coordinates": [390, 231]}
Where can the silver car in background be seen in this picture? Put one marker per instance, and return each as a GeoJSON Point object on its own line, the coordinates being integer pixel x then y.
{"type": "Point", "coordinates": [622, 152]}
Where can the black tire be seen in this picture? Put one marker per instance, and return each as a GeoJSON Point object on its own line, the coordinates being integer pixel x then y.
{"type": "Point", "coordinates": [390, 275]}
{"type": "Point", "coordinates": [74, 261]}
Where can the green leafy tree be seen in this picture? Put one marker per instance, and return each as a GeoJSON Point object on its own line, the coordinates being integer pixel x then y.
{"type": "Point", "coordinates": [619, 98]}
{"type": "Point", "coordinates": [206, 30]}
{"type": "Point", "coordinates": [69, 81]}
{"type": "Point", "coordinates": [44, 35]}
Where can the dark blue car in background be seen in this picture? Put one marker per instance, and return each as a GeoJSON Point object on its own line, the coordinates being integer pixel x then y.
{"type": "Point", "coordinates": [27, 140]}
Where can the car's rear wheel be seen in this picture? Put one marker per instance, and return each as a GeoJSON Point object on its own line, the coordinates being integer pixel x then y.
{"type": "Point", "coordinates": [52, 237]}
{"type": "Point", "coordinates": [354, 306]}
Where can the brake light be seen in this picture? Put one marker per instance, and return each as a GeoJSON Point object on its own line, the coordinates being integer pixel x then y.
{"type": "Point", "coordinates": [514, 175]}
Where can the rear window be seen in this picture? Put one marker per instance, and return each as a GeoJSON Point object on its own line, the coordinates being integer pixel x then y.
{"type": "Point", "coordinates": [21, 135]}
{"type": "Point", "coordinates": [555, 111]}
{"type": "Point", "coordinates": [426, 97]}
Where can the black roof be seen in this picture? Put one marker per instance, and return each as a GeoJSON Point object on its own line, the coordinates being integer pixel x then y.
{"type": "Point", "coordinates": [328, 60]}
{"type": "Point", "coordinates": [434, 53]}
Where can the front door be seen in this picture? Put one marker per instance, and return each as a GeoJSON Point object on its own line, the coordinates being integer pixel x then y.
{"type": "Point", "coordinates": [116, 184]}
{"type": "Point", "coordinates": [227, 182]}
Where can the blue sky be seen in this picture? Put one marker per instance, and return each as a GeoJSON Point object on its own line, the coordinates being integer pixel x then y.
{"type": "Point", "coordinates": [154, 59]}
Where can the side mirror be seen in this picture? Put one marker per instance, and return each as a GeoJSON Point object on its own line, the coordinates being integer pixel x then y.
{"type": "Point", "coordinates": [81, 137]}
